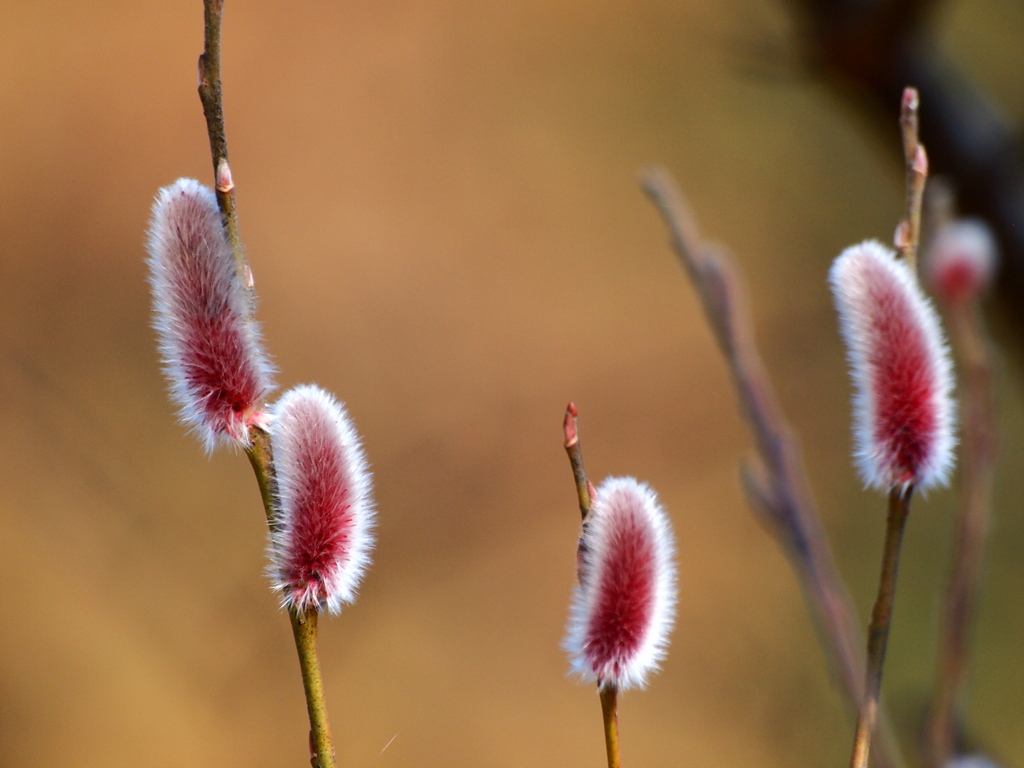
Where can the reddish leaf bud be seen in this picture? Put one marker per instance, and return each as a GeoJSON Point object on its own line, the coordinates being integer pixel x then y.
{"type": "Point", "coordinates": [624, 605]}
{"type": "Point", "coordinates": [323, 531]}
{"type": "Point", "coordinates": [211, 348]}
{"type": "Point", "coordinates": [903, 406]}
{"type": "Point", "coordinates": [961, 261]}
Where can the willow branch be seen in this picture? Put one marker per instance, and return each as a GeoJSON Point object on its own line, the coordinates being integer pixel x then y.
{"type": "Point", "coordinates": [908, 234]}
{"type": "Point", "coordinates": [774, 480]}
{"type": "Point", "coordinates": [211, 96]}
{"type": "Point", "coordinates": [570, 432]}
{"type": "Point", "coordinates": [881, 621]}
{"type": "Point", "coordinates": [978, 456]}
{"type": "Point", "coordinates": [610, 716]}
{"type": "Point", "coordinates": [585, 495]}
{"type": "Point", "coordinates": [304, 626]}
{"type": "Point", "coordinates": [868, 50]}
{"type": "Point", "coordinates": [585, 492]}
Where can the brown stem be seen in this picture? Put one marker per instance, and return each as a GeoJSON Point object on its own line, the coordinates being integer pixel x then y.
{"type": "Point", "coordinates": [584, 489]}
{"type": "Point", "coordinates": [304, 629]}
{"type": "Point", "coordinates": [211, 95]}
{"type": "Point", "coordinates": [978, 463]}
{"type": "Point", "coordinates": [259, 451]}
{"type": "Point", "coordinates": [585, 494]}
{"type": "Point", "coordinates": [916, 160]}
{"type": "Point", "coordinates": [609, 711]}
{"type": "Point", "coordinates": [881, 620]}
{"type": "Point", "coordinates": [570, 431]}
{"type": "Point", "coordinates": [304, 626]}
{"type": "Point", "coordinates": [775, 481]}
{"type": "Point", "coordinates": [868, 50]}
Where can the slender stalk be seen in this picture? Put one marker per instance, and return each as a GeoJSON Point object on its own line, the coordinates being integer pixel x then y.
{"type": "Point", "coordinates": [211, 95]}
{"type": "Point", "coordinates": [775, 481]}
{"type": "Point", "coordinates": [878, 629]}
{"type": "Point", "coordinates": [585, 493]}
{"type": "Point", "coordinates": [304, 628]}
{"type": "Point", "coordinates": [979, 452]}
{"type": "Point", "coordinates": [570, 430]}
{"type": "Point", "coordinates": [262, 461]}
{"type": "Point", "coordinates": [908, 235]}
{"type": "Point", "coordinates": [609, 709]}
{"type": "Point", "coordinates": [259, 453]}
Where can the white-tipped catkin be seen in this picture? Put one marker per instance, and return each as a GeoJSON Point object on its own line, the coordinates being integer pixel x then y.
{"type": "Point", "coordinates": [212, 355]}
{"type": "Point", "coordinates": [903, 378]}
{"type": "Point", "coordinates": [323, 527]}
{"type": "Point", "coordinates": [624, 606]}
{"type": "Point", "coordinates": [961, 260]}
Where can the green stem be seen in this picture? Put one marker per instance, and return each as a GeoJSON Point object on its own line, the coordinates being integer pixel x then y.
{"type": "Point", "coordinates": [609, 709]}
{"type": "Point", "coordinates": [304, 629]}
{"type": "Point", "coordinates": [262, 461]}
{"type": "Point", "coordinates": [878, 629]}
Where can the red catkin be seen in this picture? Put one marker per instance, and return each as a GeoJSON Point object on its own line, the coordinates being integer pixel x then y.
{"type": "Point", "coordinates": [624, 605]}
{"type": "Point", "coordinates": [323, 530]}
{"type": "Point", "coordinates": [900, 365]}
{"type": "Point", "coordinates": [212, 356]}
{"type": "Point", "coordinates": [961, 261]}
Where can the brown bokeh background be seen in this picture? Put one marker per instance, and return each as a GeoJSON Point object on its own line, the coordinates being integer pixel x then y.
{"type": "Point", "coordinates": [439, 203]}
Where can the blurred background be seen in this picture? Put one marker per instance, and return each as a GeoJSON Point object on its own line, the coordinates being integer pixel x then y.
{"type": "Point", "coordinates": [440, 207]}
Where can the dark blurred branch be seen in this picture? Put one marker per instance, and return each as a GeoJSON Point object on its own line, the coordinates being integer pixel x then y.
{"type": "Point", "coordinates": [979, 448]}
{"type": "Point", "coordinates": [774, 480]}
{"type": "Point", "coordinates": [871, 49]}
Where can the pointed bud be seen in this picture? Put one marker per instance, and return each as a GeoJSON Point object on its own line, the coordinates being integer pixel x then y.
{"type": "Point", "coordinates": [323, 532]}
{"type": "Point", "coordinates": [624, 606]}
{"type": "Point", "coordinates": [903, 407]}
{"type": "Point", "coordinates": [211, 349]}
{"type": "Point", "coordinates": [225, 183]}
{"type": "Point", "coordinates": [961, 261]}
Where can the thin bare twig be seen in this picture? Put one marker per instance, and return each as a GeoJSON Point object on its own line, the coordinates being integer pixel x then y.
{"type": "Point", "coordinates": [570, 432]}
{"type": "Point", "coordinates": [775, 480]}
{"type": "Point", "coordinates": [908, 234]}
{"type": "Point", "coordinates": [881, 621]}
{"type": "Point", "coordinates": [304, 629]}
{"type": "Point", "coordinates": [609, 711]}
{"type": "Point", "coordinates": [978, 457]}
{"type": "Point", "coordinates": [868, 50]}
{"type": "Point", "coordinates": [304, 626]}
{"type": "Point", "coordinates": [211, 95]}
{"type": "Point", "coordinates": [585, 494]}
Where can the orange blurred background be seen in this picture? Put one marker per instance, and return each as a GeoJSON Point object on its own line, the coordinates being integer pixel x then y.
{"type": "Point", "coordinates": [439, 204]}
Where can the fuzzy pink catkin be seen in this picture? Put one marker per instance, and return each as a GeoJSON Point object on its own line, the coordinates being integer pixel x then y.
{"type": "Point", "coordinates": [903, 379]}
{"type": "Point", "coordinates": [323, 531]}
{"type": "Point", "coordinates": [624, 606]}
{"type": "Point", "coordinates": [210, 346]}
{"type": "Point", "coordinates": [961, 261]}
